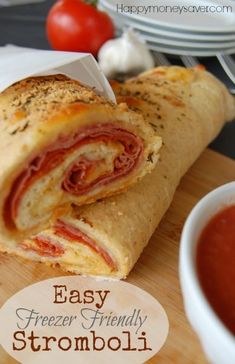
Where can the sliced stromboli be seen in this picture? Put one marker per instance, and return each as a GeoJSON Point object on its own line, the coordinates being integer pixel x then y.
{"type": "Point", "coordinates": [71, 245]}
{"type": "Point", "coordinates": [188, 109]}
{"type": "Point", "coordinates": [61, 143]}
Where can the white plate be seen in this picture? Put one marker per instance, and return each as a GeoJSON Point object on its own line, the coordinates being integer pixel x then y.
{"type": "Point", "coordinates": [219, 22]}
{"type": "Point", "coordinates": [179, 43]}
{"type": "Point", "coordinates": [159, 39]}
{"type": "Point", "coordinates": [197, 52]}
{"type": "Point", "coordinates": [183, 35]}
{"type": "Point", "coordinates": [158, 30]}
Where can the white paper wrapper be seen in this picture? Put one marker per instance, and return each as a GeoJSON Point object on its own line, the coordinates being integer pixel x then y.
{"type": "Point", "coordinates": [18, 63]}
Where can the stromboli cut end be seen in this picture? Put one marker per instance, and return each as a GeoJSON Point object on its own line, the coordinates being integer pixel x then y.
{"type": "Point", "coordinates": [64, 144]}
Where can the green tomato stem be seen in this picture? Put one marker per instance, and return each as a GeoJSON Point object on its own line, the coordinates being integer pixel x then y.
{"type": "Point", "coordinates": [92, 2]}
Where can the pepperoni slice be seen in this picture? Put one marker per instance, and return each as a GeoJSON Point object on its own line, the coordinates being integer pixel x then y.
{"type": "Point", "coordinates": [72, 233]}
{"type": "Point", "coordinates": [44, 247]}
{"type": "Point", "coordinates": [75, 177]}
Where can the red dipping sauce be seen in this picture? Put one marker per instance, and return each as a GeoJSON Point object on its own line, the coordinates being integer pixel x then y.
{"type": "Point", "coordinates": [216, 265]}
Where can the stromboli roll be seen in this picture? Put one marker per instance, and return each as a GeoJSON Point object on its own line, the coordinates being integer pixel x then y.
{"type": "Point", "coordinates": [61, 143]}
{"type": "Point", "coordinates": [188, 109]}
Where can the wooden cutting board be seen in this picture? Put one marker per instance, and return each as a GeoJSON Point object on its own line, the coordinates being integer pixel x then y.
{"type": "Point", "coordinates": [157, 269]}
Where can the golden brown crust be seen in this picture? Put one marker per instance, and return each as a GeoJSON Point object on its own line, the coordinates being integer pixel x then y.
{"type": "Point", "coordinates": [39, 111]}
{"type": "Point", "coordinates": [187, 108]}
{"type": "Point", "coordinates": [126, 222]}
{"type": "Point", "coordinates": [42, 97]}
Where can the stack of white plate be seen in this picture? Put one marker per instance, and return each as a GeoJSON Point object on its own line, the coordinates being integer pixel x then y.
{"type": "Point", "coordinates": [198, 33]}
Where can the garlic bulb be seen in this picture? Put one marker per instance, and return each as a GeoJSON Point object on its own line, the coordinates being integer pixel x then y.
{"type": "Point", "coordinates": [125, 55]}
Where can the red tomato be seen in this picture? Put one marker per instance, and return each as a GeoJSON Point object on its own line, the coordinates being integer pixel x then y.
{"type": "Point", "coordinates": [73, 25]}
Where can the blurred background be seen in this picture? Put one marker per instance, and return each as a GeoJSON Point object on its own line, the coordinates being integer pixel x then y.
{"type": "Point", "coordinates": [24, 25]}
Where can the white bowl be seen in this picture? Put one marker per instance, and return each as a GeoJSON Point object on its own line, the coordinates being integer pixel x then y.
{"type": "Point", "coordinates": [218, 342]}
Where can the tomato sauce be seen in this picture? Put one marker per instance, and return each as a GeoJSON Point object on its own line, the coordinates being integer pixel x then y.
{"type": "Point", "coordinates": [216, 265]}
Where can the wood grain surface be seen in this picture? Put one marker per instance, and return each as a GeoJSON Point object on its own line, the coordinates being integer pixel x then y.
{"type": "Point", "coordinates": [157, 269]}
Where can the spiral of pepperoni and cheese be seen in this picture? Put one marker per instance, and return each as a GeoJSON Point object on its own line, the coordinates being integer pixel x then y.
{"type": "Point", "coordinates": [62, 144]}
